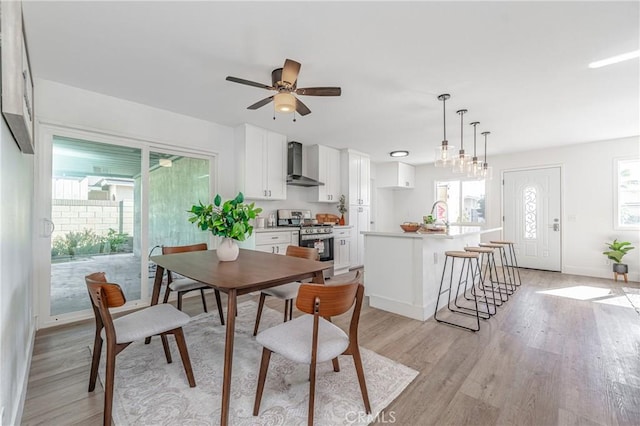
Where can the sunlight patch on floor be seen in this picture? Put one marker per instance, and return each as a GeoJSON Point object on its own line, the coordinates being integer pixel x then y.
{"type": "Point", "coordinates": [616, 301]}
{"type": "Point", "coordinates": [579, 292]}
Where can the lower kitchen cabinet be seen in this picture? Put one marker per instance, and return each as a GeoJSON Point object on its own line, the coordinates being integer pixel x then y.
{"type": "Point", "coordinates": [276, 241]}
{"type": "Point", "coordinates": [341, 250]}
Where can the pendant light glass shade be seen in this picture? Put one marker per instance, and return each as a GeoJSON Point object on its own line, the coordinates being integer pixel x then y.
{"type": "Point", "coordinates": [474, 167]}
{"type": "Point", "coordinates": [461, 160]}
{"type": "Point", "coordinates": [445, 153]}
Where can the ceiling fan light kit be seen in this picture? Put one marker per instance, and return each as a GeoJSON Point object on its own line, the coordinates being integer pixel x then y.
{"type": "Point", "coordinates": [284, 81]}
{"type": "Point", "coordinates": [284, 102]}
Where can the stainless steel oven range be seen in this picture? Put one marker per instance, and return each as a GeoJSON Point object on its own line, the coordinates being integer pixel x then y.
{"type": "Point", "coordinates": [312, 233]}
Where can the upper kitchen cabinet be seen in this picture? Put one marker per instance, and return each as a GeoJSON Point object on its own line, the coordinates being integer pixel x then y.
{"type": "Point", "coordinates": [324, 165]}
{"type": "Point", "coordinates": [395, 175]}
{"type": "Point", "coordinates": [356, 177]}
{"type": "Point", "coordinates": [261, 157]}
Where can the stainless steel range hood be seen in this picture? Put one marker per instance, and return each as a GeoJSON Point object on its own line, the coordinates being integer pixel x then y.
{"type": "Point", "coordinates": [294, 167]}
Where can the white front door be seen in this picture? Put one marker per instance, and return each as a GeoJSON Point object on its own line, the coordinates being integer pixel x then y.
{"type": "Point", "coordinates": [531, 206]}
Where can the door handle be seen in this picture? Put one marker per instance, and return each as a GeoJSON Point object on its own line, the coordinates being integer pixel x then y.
{"type": "Point", "coordinates": [555, 227]}
{"type": "Point", "coordinates": [46, 233]}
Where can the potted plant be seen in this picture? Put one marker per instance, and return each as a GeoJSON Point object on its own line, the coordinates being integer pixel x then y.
{"type": "Point", "coordinates": [617, 250]}
{"type": "Point", "coordinates": [342, 209]}
{"type": "Point", "coordinates": [228, 220]}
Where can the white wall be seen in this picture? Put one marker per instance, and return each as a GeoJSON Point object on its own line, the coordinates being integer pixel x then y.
{"type": "Point", "coordinates": [61, 104]}
{"type": "Point", "coordinates": [17, 324]}
{"type": "Point", "coordinates": [587, 197]}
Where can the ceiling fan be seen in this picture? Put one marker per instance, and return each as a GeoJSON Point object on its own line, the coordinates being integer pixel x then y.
{"type": "Point", "coordinates": [284, 81]}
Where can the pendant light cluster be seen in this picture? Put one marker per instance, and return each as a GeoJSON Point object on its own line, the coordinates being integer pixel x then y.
{"type": "Point", "coordinates": [462, 163]}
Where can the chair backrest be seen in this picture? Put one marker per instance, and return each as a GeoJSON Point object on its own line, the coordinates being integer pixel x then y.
{"type": "Point", "coordinates": [332, 300]}
{"type": "Point", "coordinates": [303, 252]}
{"type": "Point", "coordinates": [182, 249]}
{"type": "Point", "coordinates": [104, 295]}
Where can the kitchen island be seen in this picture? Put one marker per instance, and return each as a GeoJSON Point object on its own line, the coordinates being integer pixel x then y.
{"type": "Point", "coordinates": [403, 269]}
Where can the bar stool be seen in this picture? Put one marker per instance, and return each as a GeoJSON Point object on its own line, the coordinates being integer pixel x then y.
{"type": "Point", "coordinates": [514, 260]}
{"type": "Point", "coordinates": [509, 286]}
{"type": "Point", "coordinates": [466, 275]}
{"type": "Point", "coordinates": [489, 269]}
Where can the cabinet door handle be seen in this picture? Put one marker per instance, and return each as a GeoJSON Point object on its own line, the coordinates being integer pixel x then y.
{"type": "Point", "coordinates": [269, 193]}
{"type": "Point", "coordinates": [265, 192]}
{"type": "Point", "coordinates": [273, 249]}
{"type": "Point", "coordinates": [278, 249]}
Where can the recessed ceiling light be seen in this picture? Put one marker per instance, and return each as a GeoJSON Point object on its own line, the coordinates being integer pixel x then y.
{"type": "Point", "coordinates": [399, 153]}
{"type": "Point", "coordinates": [615, 59]}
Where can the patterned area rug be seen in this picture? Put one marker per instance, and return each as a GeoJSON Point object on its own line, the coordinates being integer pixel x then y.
{"type": "Point", "coordinates": [148, 391]}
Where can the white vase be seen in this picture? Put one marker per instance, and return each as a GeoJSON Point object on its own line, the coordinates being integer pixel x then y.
{"type": "Point", "coordinates": [228, 250]}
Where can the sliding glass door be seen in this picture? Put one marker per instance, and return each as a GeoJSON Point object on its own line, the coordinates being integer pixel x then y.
{"type": "Point", "coordinates": [111, 201]}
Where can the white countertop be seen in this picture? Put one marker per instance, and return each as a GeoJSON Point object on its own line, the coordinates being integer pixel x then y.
{"type": "Point", "coordinates": [276, 229]}
{"type": "Point", "coordinates": [453, 232]}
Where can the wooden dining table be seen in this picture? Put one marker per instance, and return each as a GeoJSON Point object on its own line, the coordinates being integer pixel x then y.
{"type": "Point", "coordinates": [252, 271]}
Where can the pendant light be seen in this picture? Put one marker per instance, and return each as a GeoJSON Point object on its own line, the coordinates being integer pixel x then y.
{"type": "Point", "coordinates": [444, 152]}
{"type": "Point", "coordinates": [459, 163]}
{"type": "Point", "coordinates": [486, 172]}
{"type": "Point", "coordinates": [473, 166]}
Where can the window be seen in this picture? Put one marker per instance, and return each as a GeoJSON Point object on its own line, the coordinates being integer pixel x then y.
{"type": "Point", "coordinates": [465, 199]}
{"type": "Point", "coordinates": [530, 204]}
{"type": "Point", "coordinates": [628, 194]}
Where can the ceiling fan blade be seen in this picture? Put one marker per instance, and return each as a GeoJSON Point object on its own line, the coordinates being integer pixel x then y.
{"type": "Point", "coordinates": [290, 71]}
{"type": "Point", "coordinates": [319, 91]}
{"type": "Point", "coordinates": [248, 82]}
{"type": "Point", "coordinates": [261, 103]}
{"type": "Point", "coordinates": [302, 108]}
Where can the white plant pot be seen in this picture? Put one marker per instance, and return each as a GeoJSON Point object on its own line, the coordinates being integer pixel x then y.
{"type": "Point", "coordinates": [228, 250]}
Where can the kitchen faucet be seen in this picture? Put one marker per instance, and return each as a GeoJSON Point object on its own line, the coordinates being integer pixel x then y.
{"type": "Point", "coordinates": [446, 209]}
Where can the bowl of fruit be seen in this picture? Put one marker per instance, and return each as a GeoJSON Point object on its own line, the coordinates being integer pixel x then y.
{"type": "Point", "coordinates": [410, 226]}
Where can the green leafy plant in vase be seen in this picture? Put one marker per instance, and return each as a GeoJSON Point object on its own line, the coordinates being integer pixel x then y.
{"type": "Point", "coordinates": [229, 220]}
{"type": "Point", "coordinates": [342, 208]}
{"type": "Point", "coordinates": [617, 250]}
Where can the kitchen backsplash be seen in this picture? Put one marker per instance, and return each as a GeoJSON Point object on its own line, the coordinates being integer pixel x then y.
{"type": "Point", "coordinates": [297, 198]}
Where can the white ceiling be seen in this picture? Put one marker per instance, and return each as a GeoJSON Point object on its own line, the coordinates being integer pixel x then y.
{"type": "Point", "coordinates": [520, 68]}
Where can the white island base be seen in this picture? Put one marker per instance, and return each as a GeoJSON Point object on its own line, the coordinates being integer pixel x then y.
{"type": "Point", "coordinates": [403, 270]}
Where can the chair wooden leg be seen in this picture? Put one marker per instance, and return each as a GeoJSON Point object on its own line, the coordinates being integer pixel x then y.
{"type": "Point", "coordinates": [95, 361]}
{"type": "Point", "coordinates": [286, 310]}
{"type": "Point", "coordinates": [357, 361]}
{"type": "Point", "coordinates": [219, 302]}
{"type": "Point", "coordinates": [290, 309]}
{"type": "Point", "coordinates": [260, 306]}
{"type": "Point", "coordinates": [312, 389]}
{"type": "Point", "coordinates": [167, 291]}
{"type": "Point", "coordinates": [336, 364]}
{"type": "Point", "coordinates": [204, 302]}
{"type": "Point", "coordinates": [165, 346]}
{"type": "Point", "coordinates": [184, 354]}
{"type": "Point", "coordinates": [264, 366]}
{"type": "Point", "coordinates": [108, 388]}
{"type": "Point", "coordinates": [180, 294]}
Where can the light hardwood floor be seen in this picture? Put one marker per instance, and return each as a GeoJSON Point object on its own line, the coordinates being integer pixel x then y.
{"type": "Point", "coordinates": [542, 360]}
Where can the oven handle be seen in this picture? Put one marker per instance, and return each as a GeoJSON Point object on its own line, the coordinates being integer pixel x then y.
{"type": "Point", "coordinates": [316, 237]}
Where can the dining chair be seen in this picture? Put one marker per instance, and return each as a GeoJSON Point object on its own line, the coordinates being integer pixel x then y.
{"type": "Point", "coordinates": [291, 339]}
{"type": "Point", "coordinates": [185, 285]}
{"type": "Point", "coordinates": [286, 292]}
{"type": "Point", "coordinates": [155, 320]}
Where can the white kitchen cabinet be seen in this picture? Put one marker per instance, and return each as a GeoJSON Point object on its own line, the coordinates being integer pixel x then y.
{"type": "Point", "coordinates": [275, 242]}
{"type": "Point", "coordinates": [359, 218]}
{"type": "Point", "coordinates": [356, 177]}
{"type": "Point", "coordinates": [261, 163]}
{"type": "Point", "coordinates": [324, 165]}
{"type": "Point", "coordinates": [341, 250]}
{"type": "Point", "coordinates": [395, 175]}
